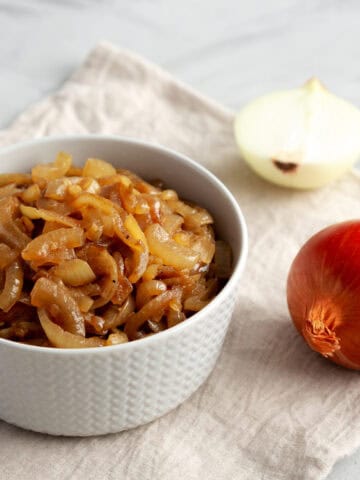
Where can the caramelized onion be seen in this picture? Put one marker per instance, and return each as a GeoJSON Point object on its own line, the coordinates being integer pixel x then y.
{"type": "Point", "coordinates": [75, 272]}
{"type": "Point", "coordinates": [132, 235]}
{"type": "Point", "coordinates": [151, 310]}
{"type": "Point", "coordinates": [45, 172]}
{"type": "Point", "coordinates": [14, 279]}
{"type": "Point", "coordinates": [117, 338]}
{"type": "Point", "coordinates": [97, 168]}
{"type": "Point", "coordinates": [61, 338]}
{"type": "Point", "coordinates": [124, 286]}
{"type": "Point", "coordinates": [149, 289]}
{"type": "Point", "coordinates": [48, 216]}
{"type": "Point", "coordinates": [31, 194]}
{"type": "Point", "coordinates": [54, 246]}
{"type": "Point", "coordinates": [171, 253]}
{"type": "Point", "coordinates": [103, 256]}
{"type": "Point", "coordinates": [57, 189]}
{"type": "Point", "coordinates": [7, 255]}
{"type": "Point", "coordinates": [104, 266]}
{"type": "Point", "coordinates": [9, 190]}
{"type": "Point", "coordinates": [115, 316]}
{"type": "Point", "coordinates": [17, 178]}
{"type": "Point", "coordinates": [172, 222]}
{"type": "Point", "coordinates": [10, 233]}
{"type": "Point", "coordinates": [47, 293]}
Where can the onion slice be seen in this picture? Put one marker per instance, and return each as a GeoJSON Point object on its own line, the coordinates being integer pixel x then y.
{"type": "Point", "coordinates": [47, 215]}
{"type": "Point", "coordinates": [10, 233]}
{"type": "Point", "coordinates": [75, 272]}
{"type": "Point", "coordinates": [171, 253]}
{"type": "Point", "coordinates": [53, 246]}
{"type": "Point", "coordinates": [155, 307]}
{"type": "Point", "coordinates": [45, 172]}
{"type": "Point", "coordinates": [116, 316]}
{"type": "Point", "coordinates": [104, 266]}
{"type": "Point", "coordinates": [7, 255]}
{"type": "Point", "coordinates": [48, 293]}
{"type": "Point", "coordinates": [14, 279]}
{"type": "Point", "coordinates": [62, 339]}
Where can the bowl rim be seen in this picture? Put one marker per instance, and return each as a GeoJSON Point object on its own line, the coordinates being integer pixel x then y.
{"type": "Point", "coordinates": [196, 318]}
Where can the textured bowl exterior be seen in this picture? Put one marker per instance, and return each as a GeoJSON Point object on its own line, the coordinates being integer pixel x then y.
{"type": "Point", "coordinates": [105, 390]}
{"type": "Point", "coordinates": [97, 393]}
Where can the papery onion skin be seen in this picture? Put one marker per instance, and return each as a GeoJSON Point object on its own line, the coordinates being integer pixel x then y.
{"type": "Point", "coordinates": [323, 293]}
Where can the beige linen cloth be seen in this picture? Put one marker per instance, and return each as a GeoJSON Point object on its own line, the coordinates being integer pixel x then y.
{"type": "Point", "coordinates": [272, 409]}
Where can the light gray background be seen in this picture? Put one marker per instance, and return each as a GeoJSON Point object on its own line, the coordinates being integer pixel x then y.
{"type": "Point", "coordinates": [231, 50]}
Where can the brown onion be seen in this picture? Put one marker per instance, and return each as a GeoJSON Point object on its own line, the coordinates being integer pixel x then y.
{"type": "Point", "coordinates": [323, 293]}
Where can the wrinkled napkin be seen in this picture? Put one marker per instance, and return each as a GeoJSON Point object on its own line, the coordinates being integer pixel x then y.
{"type": "Point", "coordinates": [272, 408]}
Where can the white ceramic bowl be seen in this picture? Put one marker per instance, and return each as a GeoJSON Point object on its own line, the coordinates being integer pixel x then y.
{"type": "Point", "coordinates": [103, 390]}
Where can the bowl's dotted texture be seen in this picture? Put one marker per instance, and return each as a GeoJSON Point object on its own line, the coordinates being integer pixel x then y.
{"type": "Point", "coordinates": [95, 393]}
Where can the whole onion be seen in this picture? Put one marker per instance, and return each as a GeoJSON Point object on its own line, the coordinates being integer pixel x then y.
{"type": "Point", "coordinates": [323, 293]}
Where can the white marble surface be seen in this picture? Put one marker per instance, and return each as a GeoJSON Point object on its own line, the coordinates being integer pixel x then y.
{"type": "Point", "coordinates": [231, 50]}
